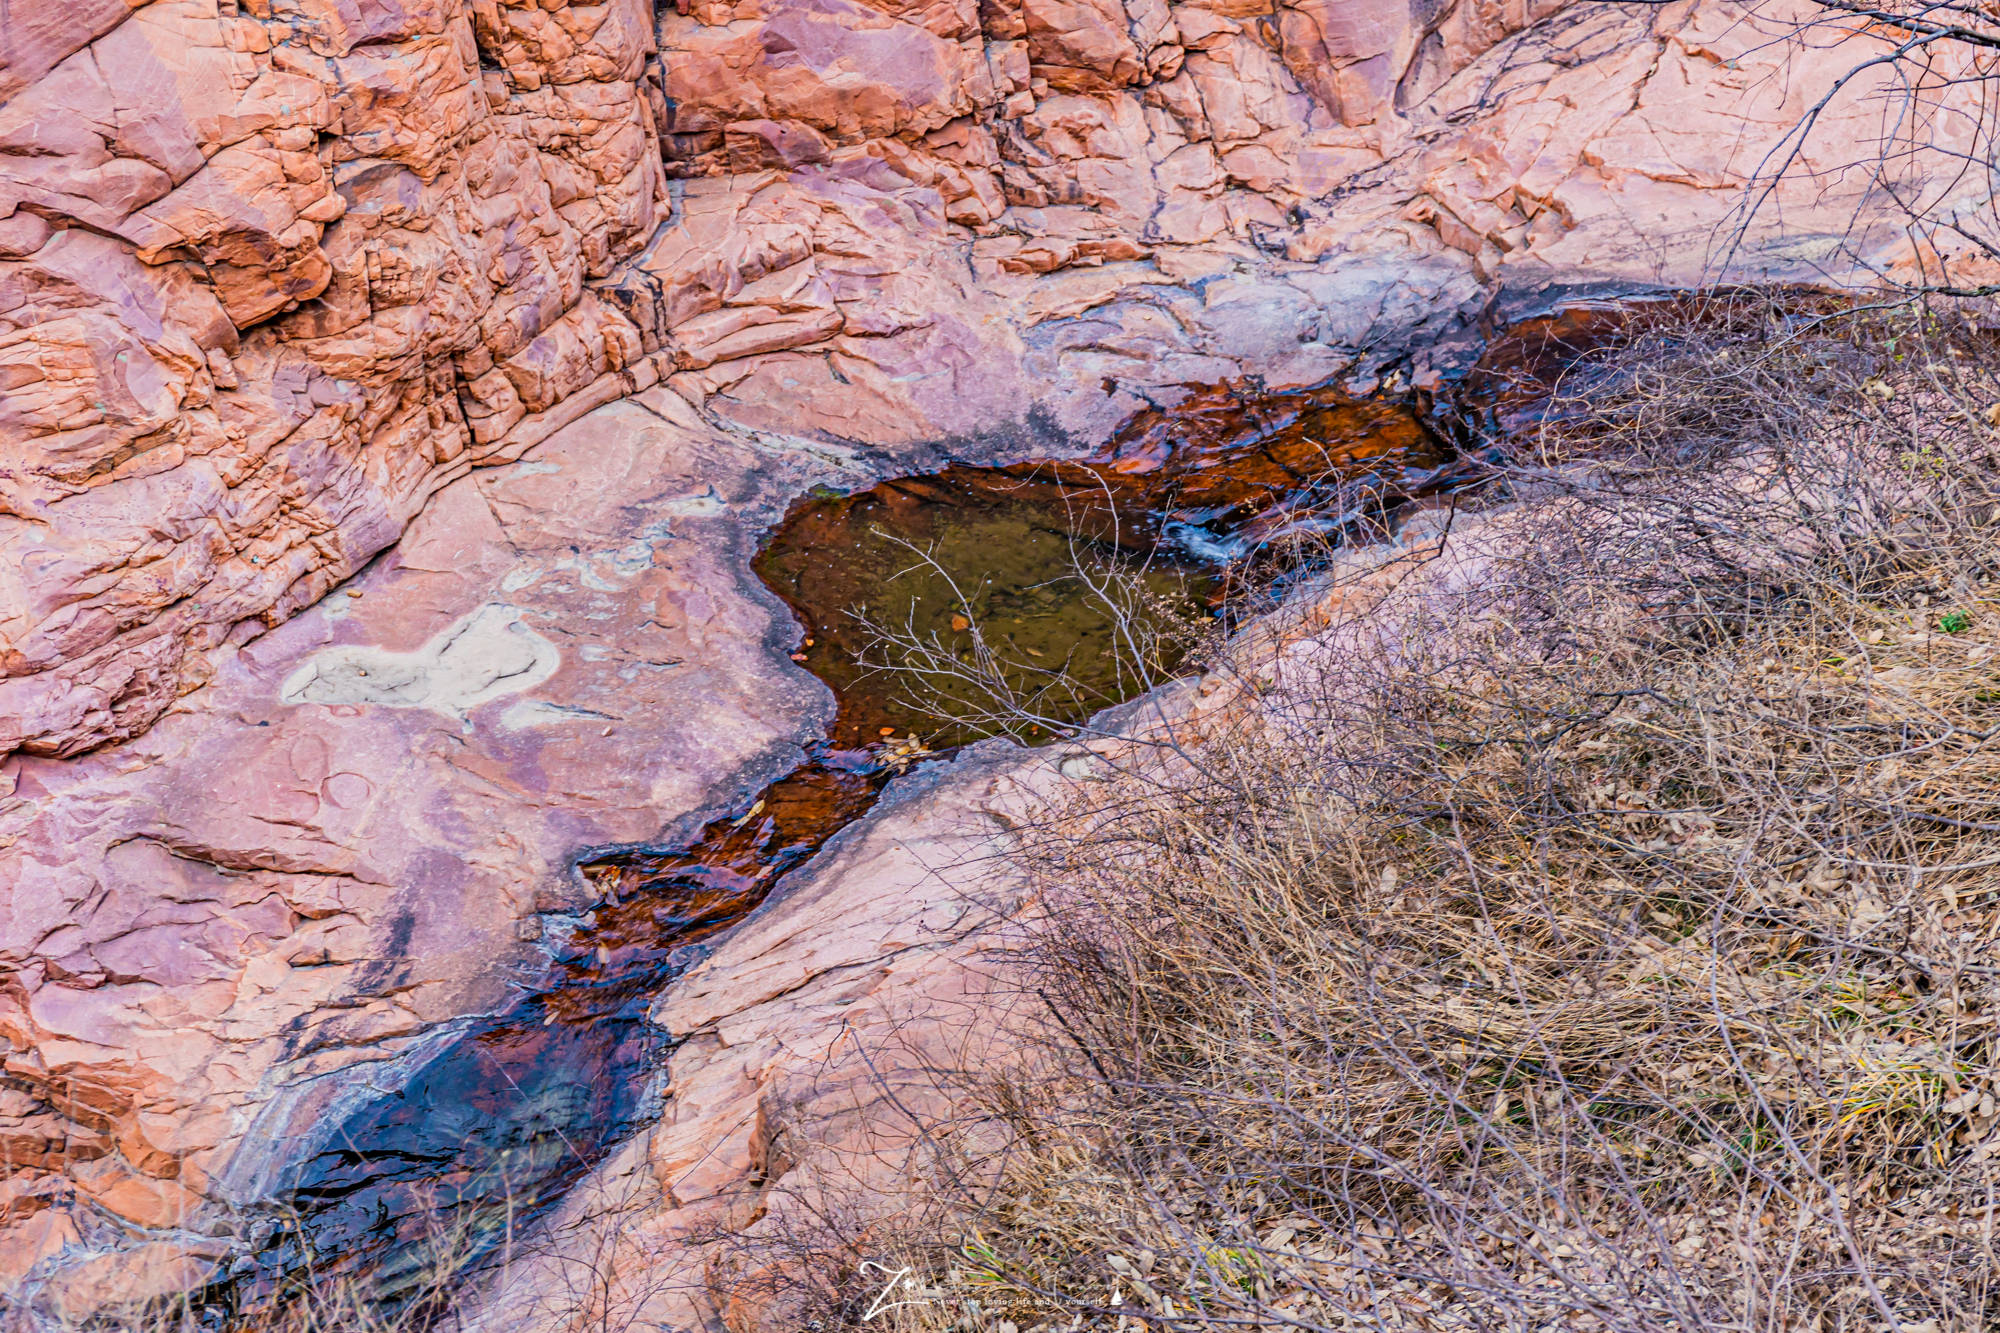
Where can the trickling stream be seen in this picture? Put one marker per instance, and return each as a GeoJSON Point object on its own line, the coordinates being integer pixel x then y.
{"type": "Point", "coordinates": [1193, 502]}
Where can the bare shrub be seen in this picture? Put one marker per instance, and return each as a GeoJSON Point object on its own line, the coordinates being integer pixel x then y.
{"type": "Point", "coordinates": [1587, 928]}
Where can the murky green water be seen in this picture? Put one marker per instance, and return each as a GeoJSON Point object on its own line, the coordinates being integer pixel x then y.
{"type": "Point", "coordinates": [979, 601]}
{"type": "Point", "coordinates": [975, 603]}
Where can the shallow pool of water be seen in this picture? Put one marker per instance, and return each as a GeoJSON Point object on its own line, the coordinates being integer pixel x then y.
{"type": "Point", "coordinates": [1023, 599]}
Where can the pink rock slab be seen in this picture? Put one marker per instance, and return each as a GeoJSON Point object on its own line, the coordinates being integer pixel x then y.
{"type": "Point", "coordinates": [344, 839]}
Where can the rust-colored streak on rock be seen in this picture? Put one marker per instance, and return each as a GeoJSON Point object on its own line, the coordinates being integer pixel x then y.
{"type": "Point", "coordinates": [659, 901]}
{"type": "Point", "coordinates": [1229, 445]}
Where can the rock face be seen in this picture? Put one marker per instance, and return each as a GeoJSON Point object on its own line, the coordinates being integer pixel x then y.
{"type": "Point", "coordinates": [563, 302]}
{"type": "Point", "coordinates": [344, 839]}
{"type": "Point", "coordinates": [270, 275]}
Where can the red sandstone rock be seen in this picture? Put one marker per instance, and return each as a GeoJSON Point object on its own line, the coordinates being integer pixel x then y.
{"type": "Point", "coordinates": [334, 845]}
{"type": "Point", "coordinates": [328, 221]}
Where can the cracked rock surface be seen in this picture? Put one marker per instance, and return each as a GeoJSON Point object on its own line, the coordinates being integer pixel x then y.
{"type": "Point", "coordinates": [393, 391]}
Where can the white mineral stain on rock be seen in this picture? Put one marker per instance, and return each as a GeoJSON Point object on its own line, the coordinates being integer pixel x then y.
{"type": "Point", "coordinates": [705, 505]}
{"type": "Point", "coordinates": [483, 656]}
{"type": "Point", "coordinates": [541, 713]}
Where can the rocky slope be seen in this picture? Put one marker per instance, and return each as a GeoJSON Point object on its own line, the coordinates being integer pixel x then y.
{"type": "Point", "coordinates": [511, 325]}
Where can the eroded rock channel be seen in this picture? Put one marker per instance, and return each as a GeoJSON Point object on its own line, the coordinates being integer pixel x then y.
{"type": "Point", "coordinates": [1191, 504]}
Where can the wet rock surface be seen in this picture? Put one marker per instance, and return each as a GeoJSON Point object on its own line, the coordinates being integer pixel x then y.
{"type": "Point", "coordinates": [505, 1112]}
{"type": "Point", "coordinates": [523, 322]}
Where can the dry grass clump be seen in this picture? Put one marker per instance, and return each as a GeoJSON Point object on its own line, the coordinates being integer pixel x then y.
{"type": "Point", "coordinates": [1590, 929]}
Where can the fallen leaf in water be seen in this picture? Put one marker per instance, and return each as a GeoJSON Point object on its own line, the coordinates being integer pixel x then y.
{"type": "Point", "coordinates": [960, 623]}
